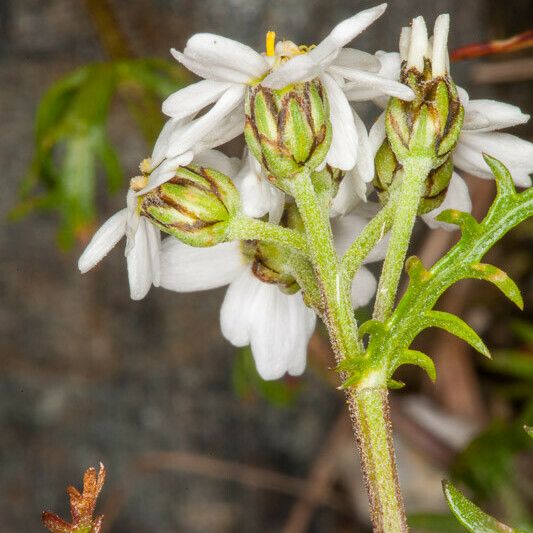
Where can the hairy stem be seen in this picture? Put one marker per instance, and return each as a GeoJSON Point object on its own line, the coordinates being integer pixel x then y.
{"type": "Point", "coordinates": [368, 402]}
{"type": "Point", "coordinates": [369, 410]}
{"type": "Point", "coordinates": [244, 228]}
{"type": "Point", "coordinates": [415, 172]}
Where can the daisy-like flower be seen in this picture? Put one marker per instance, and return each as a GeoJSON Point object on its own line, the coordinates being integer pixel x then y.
{"type": "Point", "coordinates": [143, 238]}
{"type": "Point", "coordinates": [142, 246]}
{"type": "Point", "coordinates": [482, 120]}
{"type": "Point", "coordinates": [229, 68]}
{"type": "Point", "coordinates": [256, 312]}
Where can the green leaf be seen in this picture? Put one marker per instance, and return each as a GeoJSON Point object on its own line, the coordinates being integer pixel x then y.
{"type": "Point", "coordinates": [414, 357]}
{"type": "Point", "coordinates": [465, 221]}
{"type": "Point", "coordinates": [512, 363]}
{"type": "Point", "coordinates": [499, 278]}
{"type": "Point", "coordinates": [111, 163]}
{"type": "Point", "coordinates": [454, 325]}
{"type": "Point", "coordinates": [470, 515]}
{"type": "Point", "coordinates": [523, 329]}
{"type": "Point", "coordinates": [504, 180]}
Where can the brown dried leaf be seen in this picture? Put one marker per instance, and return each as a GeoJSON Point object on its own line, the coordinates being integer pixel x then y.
{"type": "Point", "coordinates": [82, 506]}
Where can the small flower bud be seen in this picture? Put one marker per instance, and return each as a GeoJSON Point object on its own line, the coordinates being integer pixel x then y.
{"type": "Point", "coordinates": [288, 129]}
{"type": "Point", "coordinates": [195, 206]}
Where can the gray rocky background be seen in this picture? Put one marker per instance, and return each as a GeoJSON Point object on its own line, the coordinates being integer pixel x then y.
{"type": "Point", "coordinates": [87, 374]}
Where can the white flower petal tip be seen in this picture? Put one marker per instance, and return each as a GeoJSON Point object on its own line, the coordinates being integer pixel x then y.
{"type": "Point", "coordinates": [348, 29]}
{"type": "Point", "coordinates": [103, 241]}
{"type": "Point", "coordinates": [405, 39]}
{"type": "Point", "coordinates": [418, 44]}
{"type": "Point", "coordinates": [439, 60]}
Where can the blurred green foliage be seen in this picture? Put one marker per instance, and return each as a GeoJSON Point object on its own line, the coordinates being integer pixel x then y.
{"type": "Point", "coordinates": [71, 140]}
{"type": "Point", "coordinates": [248, 384]}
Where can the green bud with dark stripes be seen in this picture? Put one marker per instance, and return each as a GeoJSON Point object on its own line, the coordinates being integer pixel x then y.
{"type": "Point", "coordinates": [195, 206]}
{"type": "Point", "coordinates": [288, 130]}
{"type": "Point", "coordinates": [269, 264]}
{"type": "Point", "coordinates": [427, 127]}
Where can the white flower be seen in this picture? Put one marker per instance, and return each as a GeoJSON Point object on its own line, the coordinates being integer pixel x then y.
{"type": "Point", "coordinates": [482, 119]}
{"type": "Point", "coordinates": [278, 326]}
{"type": "Point", "coordinates": [229, 67]}
{"type": "Point", "coordinates": [174, 147]}
{"type": "Point", "coordinates": [142, 247]}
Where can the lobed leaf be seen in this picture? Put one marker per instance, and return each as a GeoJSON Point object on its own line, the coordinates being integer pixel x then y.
{"type": "Point", "coordinates": [414, 357]}
{"type": "Point", "coordinates": [498, 278]}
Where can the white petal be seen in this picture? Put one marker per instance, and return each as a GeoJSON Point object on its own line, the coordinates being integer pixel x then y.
{"type": "Point", "coordinates": [297, 69]}
{"type": "Point", "coordinates": [161, 145]}
{"type": "Point", "coordinates": [239, 309]}
{"type": "Point", "coordinates": [343, 151]}
{"type": "Point", "coordinates": [186, 268]}
{"type": "Point", "coordinates": [344, 32]}
{"type": "Point", "coordinates": [218, 161]}
{"type": "Point", "coordinates": [515, 153]}
{"type": "Point", "coordinates": [439, 59]}
{"type": "Point", "coordinates": [365, 153]}
{"type": "Point", "coordinates": [181, 141]}
{"type": "Point", "coordinates": [280, 333]}
{"type": "Point", "coordinates": [363, 287]}
{"type": "Point", "coordinates": [377, 134]}
{"type": "Point", "coordinates": [463, 97]}
{"type": "Point", "coordinates": [153, 236]}
{"type": "Point", "coordinates": [193, 98]}
{"type": "Point", "coordinates": [405, 41]}
{"type": "Point", "coordinates": [352, 191]}
{"type": "Point", "coordinates": [228, 129]}
{"type": "Point", "coordinates": [418, 45]}
{"type": "Point", "coordinates": [210, 71]}
{"type": "Point", "coordinates": [103, 241]}
{"type": "Point", "coordinates": [352, 58]}
{"type": "Point", "coordinates": [457, 198]}
{"type": "Point", "coordinates": [140, 272]}
{"type": "Point", "coordinates": [216, 50]}
{"type": "Point", "coordinates": [490, 115]}
{"type": "Point", "coordinates": [390, 64]}
{"type": "Point", "coordinates": [382, 85]}
{"type": "Point", "coordinates": [166, 171]}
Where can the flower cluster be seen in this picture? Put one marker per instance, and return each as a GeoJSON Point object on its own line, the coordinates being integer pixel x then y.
{"type": "Point", "coordinates": [234, 222]}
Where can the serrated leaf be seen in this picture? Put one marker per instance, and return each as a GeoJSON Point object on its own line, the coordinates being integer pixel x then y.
{"type": "Point", "coordinates": [500, 279]}
{"type": "Point", "coordinates": [470, 515]}
{"type": "Point", "coordinates": [416, 270]}
{"type": "Point", "coordinates": [456, 326]}
{"type": "Point", "coordinates": [504, 180]}
{"type": "Point", "coordinates": [414, 357]}
{"type": "Point", "coordinates": [395, 384]}
{"type": "Point", "coordinates": [468, 224]}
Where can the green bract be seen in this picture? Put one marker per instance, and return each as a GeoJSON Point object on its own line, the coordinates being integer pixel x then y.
{"type": "Point", "coordinates": [288, 130]}
{"type": "Point", "coordinates": [195, 206]}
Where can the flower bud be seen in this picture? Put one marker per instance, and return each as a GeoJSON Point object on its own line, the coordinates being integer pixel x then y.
{"type": "Point", "coordinates": [269, 264]}
{"type": "Point", "coordinates": [326, 182]}
{"type": "Point", "coordinates": [389, 170]}
{"type": "Point", "coordinates": [195, 206]}
{"type": "Point", "coordinates": [288, 130]}
{"type": "Point", "coordinates": [428, 127]}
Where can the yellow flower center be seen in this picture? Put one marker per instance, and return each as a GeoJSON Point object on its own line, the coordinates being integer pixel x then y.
{"type": "Point", "coordinates": [138, 183]}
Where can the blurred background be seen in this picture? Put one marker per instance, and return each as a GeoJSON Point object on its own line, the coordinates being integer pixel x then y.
{"type": "Point", "coordinates": [192, 439]}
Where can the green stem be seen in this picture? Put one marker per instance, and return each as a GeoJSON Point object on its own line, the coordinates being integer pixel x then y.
{"type": "Point", "coordinates": [338, 313]}
{"type": "Point", "coordinates": [368, 403]}
{"type": "Point", "coordinates": [415, 172]}
{"type": "Point", "coordinates": [372, 233]}
{"type": "Point", "coordinates": [369, 410]}
{"type": "Point", "coordinates": [244, 228]}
